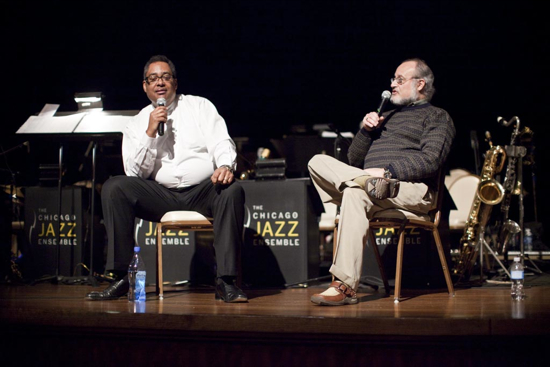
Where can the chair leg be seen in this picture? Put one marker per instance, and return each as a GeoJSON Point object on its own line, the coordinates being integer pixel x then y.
{"type": "Point", "coordinates": [160, 286]}
{"type": "Point", "coordinates": [334, 241]}
{"type": "Point", "coordinates": [379, 261]}
{"type": "Point", "coordinates": [399, 266]}
{"type": "Point", "coordinates": [443, 260]}
{"type": "Point", "coordinates": [334, 244]}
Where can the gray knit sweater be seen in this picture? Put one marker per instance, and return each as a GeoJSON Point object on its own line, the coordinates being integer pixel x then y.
{"type": "Point", "coordinates": [412, 143]}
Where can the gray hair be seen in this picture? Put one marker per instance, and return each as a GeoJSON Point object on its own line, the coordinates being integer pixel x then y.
{"type": "Point", "coordinates": [423, 71]}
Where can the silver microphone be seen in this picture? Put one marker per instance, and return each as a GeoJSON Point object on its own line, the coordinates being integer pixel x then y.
{"type": "Point", "coordinates": [386, 95]}
{"type": "Point", "coordinates": [161, 102]}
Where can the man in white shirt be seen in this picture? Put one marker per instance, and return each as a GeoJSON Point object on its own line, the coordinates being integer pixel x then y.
{"type": "Point", "coordinates": [177, 155]}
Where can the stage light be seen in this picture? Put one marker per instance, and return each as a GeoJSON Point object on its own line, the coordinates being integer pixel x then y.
{"type": "Point", "coordinates": [90, 101]}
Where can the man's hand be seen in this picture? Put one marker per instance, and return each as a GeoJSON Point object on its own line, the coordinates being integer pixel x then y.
{"type": "Point", "coordinates": [374, 172]}
{"type": "Point", "coordinates": [222, 175]}
{"type": "Point", "coordinates": [372, 121]}
{"type": "Point", "coordinates": [158, 115]}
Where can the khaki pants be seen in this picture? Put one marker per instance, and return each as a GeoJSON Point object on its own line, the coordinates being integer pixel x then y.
{"type": "Point", "coordinates": [334, 182]}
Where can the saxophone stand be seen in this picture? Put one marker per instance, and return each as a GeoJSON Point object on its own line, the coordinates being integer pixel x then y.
{"type": "Point", "coordinates": [483, 243]}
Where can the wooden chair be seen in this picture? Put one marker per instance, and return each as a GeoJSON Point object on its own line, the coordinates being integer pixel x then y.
{"type": "Point", "coordinates": [181, 220]}
{"type": "Point", "coordinates": [401, 220]}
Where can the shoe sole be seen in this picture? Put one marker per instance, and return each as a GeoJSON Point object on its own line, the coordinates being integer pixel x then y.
{"type": "Point", "coordinates": [391, 191]}
{"type": "Point", "coordinates": [322, 302]}
{"type": "Point", "coordinates": [104, 299]}
{"type": "Point", "coordinates": [237, 300]}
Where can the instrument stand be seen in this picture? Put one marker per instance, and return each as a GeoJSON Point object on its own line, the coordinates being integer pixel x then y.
{"type": "Point", "coordinates": [496, 258]}
{"type": "Point", "coordinates": [338, 143]}
{"type": "Point", "coordinates": [482, 243]}
{"type": "Point", "coordinates": [519, 152]}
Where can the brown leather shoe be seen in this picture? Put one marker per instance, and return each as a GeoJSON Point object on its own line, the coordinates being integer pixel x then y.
{"type": "Point", "coordinates": [345, 296]}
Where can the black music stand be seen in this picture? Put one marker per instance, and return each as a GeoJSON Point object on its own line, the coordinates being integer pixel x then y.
{"type": "Point", "coordinates": [91, 126]}
{"type": "Point", "coordinates": [339, 144]}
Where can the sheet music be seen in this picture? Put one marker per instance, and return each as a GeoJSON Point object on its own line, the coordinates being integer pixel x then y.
{"type": "Point", "coordinates": [49, 110]}
{"type": "Point", "coordinates": [50, 124]}
{"type": "Point", "coordinates": [101, 123]}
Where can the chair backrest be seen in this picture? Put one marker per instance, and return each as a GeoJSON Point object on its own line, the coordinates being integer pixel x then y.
{"type": "Point", "coordinates": [435, 213]}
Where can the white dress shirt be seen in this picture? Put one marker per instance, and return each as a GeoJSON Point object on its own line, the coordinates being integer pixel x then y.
{"type": "Point", "coordinates": [195, 142]}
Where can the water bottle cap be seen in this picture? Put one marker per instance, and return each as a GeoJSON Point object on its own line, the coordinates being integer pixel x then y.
{"type": "Point", "coordinates": [517, 259]}
{"type": "Point", "coordinates": [136, 249]}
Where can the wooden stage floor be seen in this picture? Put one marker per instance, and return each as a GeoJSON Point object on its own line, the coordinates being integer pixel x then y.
{"type": "Point", "coordinates": [53, 325]}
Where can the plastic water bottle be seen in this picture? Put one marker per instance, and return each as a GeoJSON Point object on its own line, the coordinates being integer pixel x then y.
{"type": "Point", "coordinates": [516, 275]}
{"type": "Point", "coordinates": [528, 240]}
{"type": "Point", "coordinates": [136, 277]}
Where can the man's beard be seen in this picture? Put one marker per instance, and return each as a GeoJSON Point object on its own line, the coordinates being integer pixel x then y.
{"type": "Point", "coordinates": [398, 101]}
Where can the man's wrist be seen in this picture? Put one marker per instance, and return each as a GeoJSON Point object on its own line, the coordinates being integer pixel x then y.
{"type": "Point", "coordinates": [228, 167]}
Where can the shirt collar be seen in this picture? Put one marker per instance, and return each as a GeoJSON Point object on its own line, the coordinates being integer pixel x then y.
{"type": "Point", "coordinates": [417, 103]}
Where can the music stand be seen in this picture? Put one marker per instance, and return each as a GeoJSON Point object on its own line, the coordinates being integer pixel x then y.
{"type": "Point", "coordinates": [89, 126]}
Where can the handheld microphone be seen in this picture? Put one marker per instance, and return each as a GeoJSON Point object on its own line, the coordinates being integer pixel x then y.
{"type": "Point", "coordinates": [386, 95]}
{"type": "Point", "coordinates": [161, 102]}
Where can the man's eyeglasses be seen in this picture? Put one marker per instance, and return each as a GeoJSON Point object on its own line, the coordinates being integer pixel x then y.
{"type": "Point", "coordinates": [400, 80]}
{"type": "Point", "coordinates": [167, 77]}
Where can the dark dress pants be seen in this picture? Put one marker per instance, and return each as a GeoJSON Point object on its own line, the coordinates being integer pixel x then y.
{"type": "Point", "coordinates": [126, 198]}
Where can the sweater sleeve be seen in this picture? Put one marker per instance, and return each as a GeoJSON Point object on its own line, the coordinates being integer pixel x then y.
{"type": "Point", "coordinates": [359, 147]}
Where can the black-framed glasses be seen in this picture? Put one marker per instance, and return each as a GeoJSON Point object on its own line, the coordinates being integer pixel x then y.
{"type": "Point", "coordinates": [167, 77]}
{"type": "Point", "coordinates": [400, 80]}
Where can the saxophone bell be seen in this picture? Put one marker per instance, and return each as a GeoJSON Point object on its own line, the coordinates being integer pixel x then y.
{"type": "Point", "coordinates": [490, 192]}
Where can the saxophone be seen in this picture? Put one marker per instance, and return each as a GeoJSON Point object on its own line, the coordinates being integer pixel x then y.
{"type": "Point", "coordinates": [512, 186]}
{"type": "Point", "coordinates": [489, 193]}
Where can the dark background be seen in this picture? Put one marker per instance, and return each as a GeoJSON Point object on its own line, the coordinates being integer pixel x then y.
{"type": "Point", "coordinates": [273, 66]}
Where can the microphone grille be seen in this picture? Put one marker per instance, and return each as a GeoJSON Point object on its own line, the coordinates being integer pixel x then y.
{"type": "Point", "coordinates": [386, 94]}
{"type": "Point", "coordinates": [161, 102]}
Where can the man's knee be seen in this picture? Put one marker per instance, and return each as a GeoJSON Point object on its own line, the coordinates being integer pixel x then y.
{"type": "Point", "coordinates": [235, 192]}
{"type": "Point", "coordinates": [314, 161]}
{"type": "Point", "coordinates": [319, 159]}
{"type": "Point", "coordinates": [114, 186]}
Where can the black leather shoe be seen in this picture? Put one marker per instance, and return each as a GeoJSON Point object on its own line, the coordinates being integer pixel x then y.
{"type": "Point", "coordinates": [230, 293]}
{"type": "Point", "coordinates": [114, 291]}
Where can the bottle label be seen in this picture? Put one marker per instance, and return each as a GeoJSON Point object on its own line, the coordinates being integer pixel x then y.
{"type": "Point", "coordinates": [140, 286]}
{"type": "Point", "coordinates": [516, 274]}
